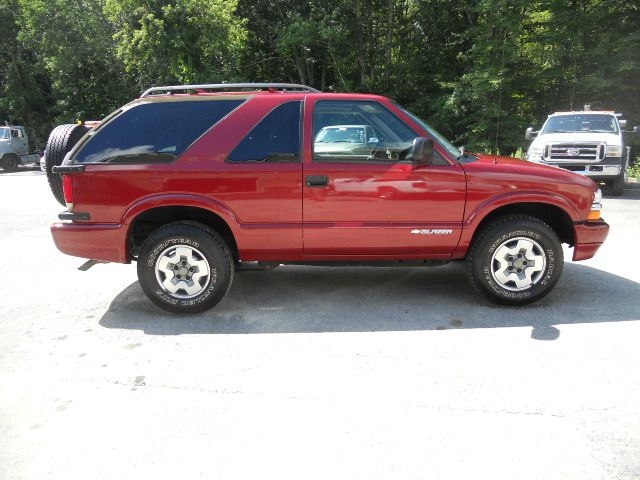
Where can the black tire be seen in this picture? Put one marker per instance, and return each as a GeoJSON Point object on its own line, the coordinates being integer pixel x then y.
{"type": "Point", "coordinates": [10, 162]}
{"type": "Point", "coordinates": [205, 244]}
{"type": "Point", "coordinates": [480, 263]}
{"type": "Point", "coordinates": [60, 142]}
{"type": "Point", "coordinates": [617, 186]}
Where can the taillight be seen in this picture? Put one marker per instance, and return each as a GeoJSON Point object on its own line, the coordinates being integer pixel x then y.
{"type": "Point", "coordinates": [67, 186]}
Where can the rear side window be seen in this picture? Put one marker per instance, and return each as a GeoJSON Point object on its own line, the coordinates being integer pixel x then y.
{"type": "Point", "coordinates": [275, 139]}
{"type": "Point", "coordinates": [154, 132]}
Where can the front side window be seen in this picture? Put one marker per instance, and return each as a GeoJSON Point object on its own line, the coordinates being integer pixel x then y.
{"type": "Point", "coordinates": [358, 131]}
{"type": "Point", "coordinates": [276, 138]}
{"type": "Point", "coordinates": [154, 132]}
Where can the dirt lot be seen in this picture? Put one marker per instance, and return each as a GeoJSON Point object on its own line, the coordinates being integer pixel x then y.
{"type": "Point", "coordinates": [309, 372]}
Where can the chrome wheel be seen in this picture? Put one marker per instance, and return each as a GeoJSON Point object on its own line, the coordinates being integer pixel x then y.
{"type": "Point", "coordinates": [182, 271]}
{"type": "Point", "coordinates": [518, 263]}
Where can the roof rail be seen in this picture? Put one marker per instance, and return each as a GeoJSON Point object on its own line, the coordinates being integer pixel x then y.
{"type": "Point", "coordinates": [230, 86]}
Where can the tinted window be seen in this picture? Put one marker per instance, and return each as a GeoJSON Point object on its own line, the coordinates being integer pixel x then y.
{"type": "Point", "coordinates": [358, 131]}
{"type": "Point", "coordinates": [154, 132]}
{"type": "Point", "coordinates": [275, 139]}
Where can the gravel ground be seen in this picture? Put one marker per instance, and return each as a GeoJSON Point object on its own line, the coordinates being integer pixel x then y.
{"type": "Point", "coordinates": [309, 372]}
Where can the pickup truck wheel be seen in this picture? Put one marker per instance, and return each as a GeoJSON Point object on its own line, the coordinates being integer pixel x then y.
{"type": "Point", "coordinates": [617, 185]}
{"type": "Point", "coordinates": [10, 163]}
{"type": "Point", "coordinates": [515, 260]}
{"type": "Point", "coordinates": [61, 141]}
{"type": "Point", "coordinates": [185, 267]}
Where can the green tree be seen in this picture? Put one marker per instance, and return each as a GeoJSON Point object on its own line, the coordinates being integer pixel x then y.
{"type": "Point", "coordinates": [178, 41]}
{"type": "Point", "coordinates": [73, 41]}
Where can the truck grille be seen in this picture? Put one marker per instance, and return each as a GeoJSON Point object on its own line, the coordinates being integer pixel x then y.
{"type": "Point", "coordinates": [574, 152]}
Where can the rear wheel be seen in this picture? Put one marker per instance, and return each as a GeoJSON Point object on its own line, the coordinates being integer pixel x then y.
{"type": "Point", "coordinates": [185, 267]}
{"type": "Point", "coordinates": [515, 260]}
{"type": "Point", "coordinates": [60, 142]}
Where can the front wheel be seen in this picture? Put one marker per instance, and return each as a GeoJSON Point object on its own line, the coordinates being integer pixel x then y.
{"type": "Point", "coordinates": [185, 267]}
{"type": "Point", "coordinates": [515, 260]}
{"type": "Point", "coordinates": [617, 185]}
{"type": "Point", "coordinates": [10, 163]}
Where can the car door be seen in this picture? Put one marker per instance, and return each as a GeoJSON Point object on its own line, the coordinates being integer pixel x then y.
{"type": "Point", "coordinates": [19, 141]}
{"type": "Point", "coordinates": [365, 199]}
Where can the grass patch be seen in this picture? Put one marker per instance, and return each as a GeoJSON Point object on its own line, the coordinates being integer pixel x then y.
{"type": "Point", "coordinates": [634, 170]}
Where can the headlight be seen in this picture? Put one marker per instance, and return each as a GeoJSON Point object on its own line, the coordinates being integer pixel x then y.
{"type": "Point", "coordinates": [596, 206]}
{"type": "Point", "coordinates": [614, 151]}
{"type": "Point", "coordinates": [534, 154]}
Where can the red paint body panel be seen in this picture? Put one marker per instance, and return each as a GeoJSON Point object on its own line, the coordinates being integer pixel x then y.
{"type": "Point", "coordinates": [367, 211]}
{"type": "Point", "coordinates": [98, 241]}
{"type": "Point", "coordinates": [589, 237]}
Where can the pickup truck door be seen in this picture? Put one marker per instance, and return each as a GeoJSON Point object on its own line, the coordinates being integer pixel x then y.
{"type": "Point", "coordinates": [364, 200]}
{"type": "Point", "coordinates": [19, 141]}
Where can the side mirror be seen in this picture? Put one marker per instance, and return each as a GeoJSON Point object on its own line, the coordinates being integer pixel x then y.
{"type": "Point", "coordinates": [373, 140]}
{"type": "Point", "coordinates": [636, 129]}
{"type": "Point", "coordinates": [623, 123]}
{"type": "Point", "coordinates": [530, 134]}
{"type": "Point", "coordinates": [422, 152]}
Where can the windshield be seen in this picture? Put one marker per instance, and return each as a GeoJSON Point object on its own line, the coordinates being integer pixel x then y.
{"type": "Point", "coordinates": [434, 133]}
{"type": "Point", "coordinates": [581, 123]}
{"type": "Point", "coordinates": [5, 133]}
{"type": "Point", "coordinates": [341, 134]}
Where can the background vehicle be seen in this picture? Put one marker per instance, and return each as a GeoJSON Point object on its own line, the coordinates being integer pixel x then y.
{"type": "Point", "coordinates": [193, 181]}
{"type": "Point", "coordinates": [14, 148]}
{"type": "Point", "coordinates": [587, 142]}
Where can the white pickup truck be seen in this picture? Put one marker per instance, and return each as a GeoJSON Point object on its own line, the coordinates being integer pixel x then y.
{"type": "Point", "coordinates": [586, 142]}
{"type": "Point", "coordinates": [14, 148]}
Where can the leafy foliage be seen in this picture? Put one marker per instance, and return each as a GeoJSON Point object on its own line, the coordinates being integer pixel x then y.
{"type": "Point", "coordinates": [480, 71]}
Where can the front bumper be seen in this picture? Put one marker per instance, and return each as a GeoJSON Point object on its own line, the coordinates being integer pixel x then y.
{"type": "Point", "coordinates": [606, 169]}
{"type": "Point", "coordinates": [97, 241]}
{"type": "Point", "coordinates": [589, 237]}
{"type": "Point", "coordinates": [594, 171]}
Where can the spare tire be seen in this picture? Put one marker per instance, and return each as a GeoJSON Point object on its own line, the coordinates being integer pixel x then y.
{"type": "Point", "coordinates": [61, 141]}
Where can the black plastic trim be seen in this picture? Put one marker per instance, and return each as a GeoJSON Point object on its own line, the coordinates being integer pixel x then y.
{"type": "Point", "coordinates": [68, 169]}
{"type": "Point", "coordinates": [84, 217]}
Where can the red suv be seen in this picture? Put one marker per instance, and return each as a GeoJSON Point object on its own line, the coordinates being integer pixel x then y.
{"type": "Point", "coordinates": [192, 181]}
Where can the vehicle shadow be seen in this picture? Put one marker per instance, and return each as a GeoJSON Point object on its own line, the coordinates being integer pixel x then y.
{"type": "Point", "coordinates": [297, 299]}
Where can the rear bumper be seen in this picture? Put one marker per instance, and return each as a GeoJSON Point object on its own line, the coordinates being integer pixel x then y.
{"type": "Point", "coordinates": [589, 237]}
{"type": "Point", "coordinates": [98, 241]}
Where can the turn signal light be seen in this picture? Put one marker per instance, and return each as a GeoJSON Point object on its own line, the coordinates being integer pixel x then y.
{"type": "Point", "coordinates": [67, 189]}
{"type": "Point", "coordinates": [594, 215]}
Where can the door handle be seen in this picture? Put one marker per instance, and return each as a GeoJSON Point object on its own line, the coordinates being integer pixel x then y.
{"type": "Point", "coordinates": [317, 181]}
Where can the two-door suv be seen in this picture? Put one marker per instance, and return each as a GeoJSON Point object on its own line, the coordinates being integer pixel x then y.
{"type": "Point", "coordinates": [192, 181]}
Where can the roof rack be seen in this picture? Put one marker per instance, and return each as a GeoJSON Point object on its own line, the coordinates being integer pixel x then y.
{"type": "Point", "coordinates": [230, 86]}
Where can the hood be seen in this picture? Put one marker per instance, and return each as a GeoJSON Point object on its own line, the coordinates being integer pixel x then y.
{"type": "Point", "coordinates": [499, 165]}
{"type": "Point", "coordinates": [577, 137]}
{"type": "Point", "coordinates": [505, 176]}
